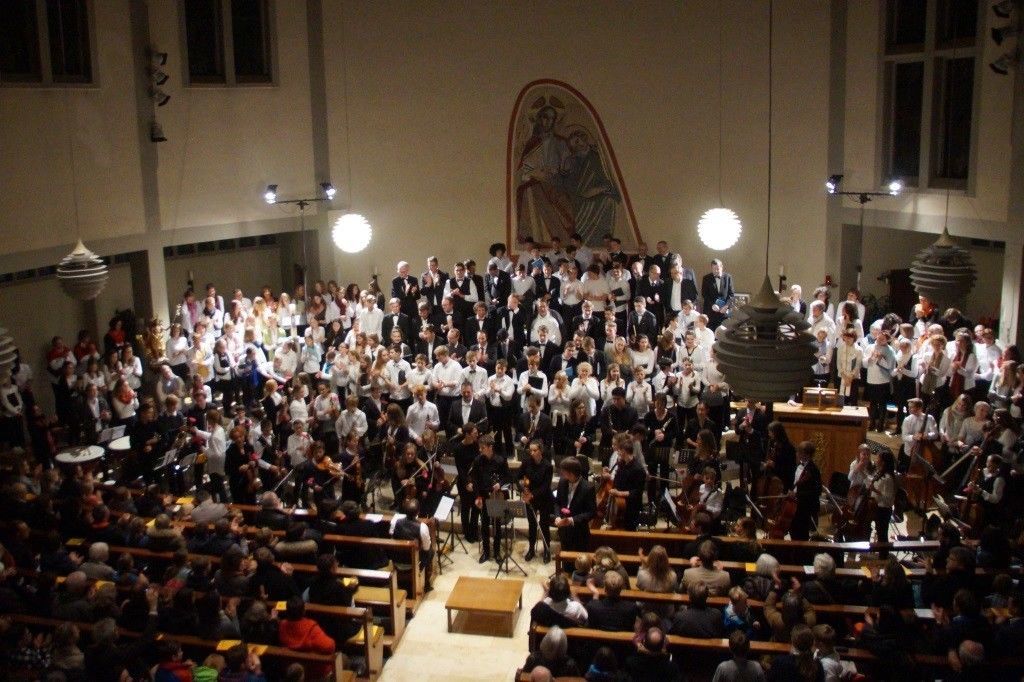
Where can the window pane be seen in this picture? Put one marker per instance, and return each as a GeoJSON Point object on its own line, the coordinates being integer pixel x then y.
{"type": "Point", "coordinates": [905, 117]}
{"type": "Point", "coordinates": [68, 24]}
{"type": "Point", "coordinates": [19, 41]}
{"type": "Point", "coordinates": [953, 134]}
{"type": "Point", "coordinates": [204, 37]}
{"type": "Point", "coordinates": [251, 45]}
{"type": "Point", "coordinates": [957, 22]}
{"type": "Point", "coordinates": [906, 25]}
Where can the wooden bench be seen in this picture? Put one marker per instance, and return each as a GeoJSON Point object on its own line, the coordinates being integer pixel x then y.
{"type": "Point", "coordinates": [370, 641]}
{"type": "Point", "coordinates": [382, 595]}
{"type": "Point", "coordinates": [630, 542]}
{"type": "Point", "coordinates": [286, 655]}
{"type": "Point", "coordinates": [566, 560]}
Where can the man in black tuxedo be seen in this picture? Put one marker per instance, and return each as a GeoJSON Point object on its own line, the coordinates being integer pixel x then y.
{"type": "Point", "coordinates": [675, 289]}
{"type": "Point", "coordinates": [548, 286]}
{"type": "Point", "coordinates": [649, 288]}
{"type": "Point", "coordinates": [514, 318]}
{"type": "Point", "coordinates": [565, 361]}
{"type": "Point", "coordinates": [717, 293]}
{"type": "Point", "coordinates": [615, 253]}
{"type": "Point", "coordinates": [575, 506]}
{"type": "Point", "coordinates": [428, 343]}
{"type": "Point", "coordinates": [424, 316]}
{"type": "Point", "coordinates": [590, 324]}
{"type": "Point", "coordinates": [508, 349]}
{"type": "Point", "coordinates": [641, 321]}
{"type": "Point", "coordinates": [807, 487]}
{"type": "Point", "coordinates": [373, 406]}
{"type": "Point", "coordinates": [480, 321]}
{"type": "Point", "coordinates": [464, 411]}
{"type": "Point", "coordinates": [498, 285]}
{"type": "Point", "coordinates": [533, 424]}
{"type": "Point", "coordinates": [450, 317]}
{"type": "Point", "coordinates": [406, 289]}
{"type": "Point", "coordinates": [432, 283]}
{"type": "Point", "coordinates": [393, 319]}
{"type": "Point", "coordinates": [663, 258]}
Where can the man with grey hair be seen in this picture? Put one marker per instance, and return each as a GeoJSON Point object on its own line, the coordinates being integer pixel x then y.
{"type": "Point", "coordinates": [73, 602]}
{"type": "Point", "coordinates": [206, 510]}
{"type": "Point", "coordinates": [406, 289]}
{"type": "Point", "coordinates": [96, 567]}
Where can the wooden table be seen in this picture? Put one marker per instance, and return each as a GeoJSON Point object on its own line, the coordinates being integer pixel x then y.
{"type": "Point", "coordinates": [486, 595]}
{"type": "Point", "coordinates": [835, 433]}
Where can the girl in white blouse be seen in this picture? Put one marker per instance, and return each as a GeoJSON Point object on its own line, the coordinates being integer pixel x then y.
{"type": "Point", "coordinates": [124, 403]}
{"type": "Point", "coordinates": [94, 376]}
{"type": "Point", "coordinates": [586, 388]}
{"type": "Point", "coordinates": [559, 398]}
{"type": "Point", "coordinates": [612, 380]}
{"type": "Point", "coordinates": [112, 370]}
{"type": "Point", "coordinates": [642, 356]}
{"type": "Point", "coordinates": [286, 314]}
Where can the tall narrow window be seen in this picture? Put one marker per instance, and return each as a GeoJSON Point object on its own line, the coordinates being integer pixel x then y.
{"type": "Point", "coordinates": [929, 65]}
{"type": "Point", "coordinates": [19, 42]}
{"type": "Point", "coordinates": [68, 29]}
{"type": "Point", "coordinates": [204, 30]}
{"type": "Point", "coordinates": [249, 39]}
{"type": "Point", "coordinates": [228, 41]}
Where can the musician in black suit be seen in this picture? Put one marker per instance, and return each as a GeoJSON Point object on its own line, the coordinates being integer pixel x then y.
{"type": "Point", "coordinates": [373, 406]}
{"type": "Point", "coordinates": [590, 324]}
{"type": "Point", "coordinates": [424, 316]}
{"type": "Point", "coordinates": [575, 504]}
{"type": "Point", "coordinates": [628, 482]}
{"type": "Point", "coordinates": [675, 289]}
{"type": "Point", "coordinates": [464, 411]}
{"type": "Point", "coordinates": [428, 343]}
{"type": "Point", "coordinates": [406, 289]}
{"type": "Point", "coordinates": [432, 283]}
{"type": "Point", "coordinates": [535, 476]}
{"type": "Point", "coordinates": [465, 454]}
{"type": "Point", "coordinates": [565, 361]}
{"type": "Point", "coordinates": [480, 321]}
{"type": "Point", "coordinates": [509, 350]}
{"type": "Point", "coordinates": [716, 286]}
{"type": "Point", "coordinates": [807, 490]}
{"type": "Point", "coordinates": [649, 288]}
{"type": "Point", "coordinates": [93, 415]}
{"type": "Point", "coordinates": [641, 321]}
{"type": "Point", "coordinates": [534, 424]}
{"type": "Point", "coordinates": [497, 285]}
{"type": "Point", "coordinates": [548, 286]}
{"type": "Point", "coordinates": [395, 318]}
{"type": "Point", "coordinates": [514, 318]}
{"type": "Point", "coordinates": [490, 473]}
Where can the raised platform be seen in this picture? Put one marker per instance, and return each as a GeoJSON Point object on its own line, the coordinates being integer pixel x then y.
{"type": "Point", "coordinates": [488, 596]}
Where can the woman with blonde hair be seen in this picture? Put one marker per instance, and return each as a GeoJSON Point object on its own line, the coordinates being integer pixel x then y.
{"type": "Point", "coordinates": [585, 387]}
{"type": "Point", "coordinates": [620, 354]}
{"type": "Point", "coordinates": [656, 575]}
{"type": "Point", "coordinates": [559, 399]}
{"type": "Point", "coordinates": [605, 560]}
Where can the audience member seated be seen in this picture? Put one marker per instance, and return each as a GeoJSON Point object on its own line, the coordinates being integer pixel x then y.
{"type": "Point", "coordinates": [297, 632]}
{"type": "Point", "coordinates": [799, 665]}
{"type": "Point", "coordinates": [558, 606]}
{"type": "Point", "coordinates": [651, 662]}
{"type": "Point", "coordinates": [698, 619]}
{"type": "Point", "coordinates": [610, 612]}
{"type": "Point", "coordinates": [782, 618]}
{"type": "Point", "coordinates": [739, 668]}
{"type": "Point", "coordinates": [552, 654]}
{"type": "Point", "coordinates": [704, 570]}
{"type": "Point", "coordinates": [738, 615]}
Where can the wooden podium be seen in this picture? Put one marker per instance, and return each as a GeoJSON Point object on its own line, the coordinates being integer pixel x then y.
{"type": "Point", "coordinates": [835, 432]}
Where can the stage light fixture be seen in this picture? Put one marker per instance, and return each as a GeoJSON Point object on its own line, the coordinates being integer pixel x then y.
{"type": "Point", "coordinates": [160, 97]}
{"type": "Point", "coordinates": [1003, 9]}
{"type": "Point", "coordinates": [1001, 33]}
{"type": "Point", "coordinates": [270, 196]}
{"type": "Point", "coordinates": [158, 58]}
{"type": "Point", "coordinates": [329, 190]}
{"type": "Point", "coordinates": [156, 133]}
{"type": "Point", "coordinates": [833, 182]}
{"type": "Point", "coordinates": [895, 186]}
{"type": "Point", "coordinates": [159, 77]}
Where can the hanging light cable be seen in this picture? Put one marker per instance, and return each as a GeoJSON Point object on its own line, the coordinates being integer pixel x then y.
{"type": "Point", "coordinates": [719, 228]}
{"type": "Point", "coordinates": [82, 274]}
{"type": "Point", "coordinates": [352, 231]}
{"type": "Point", "coordinates": [764, 350]}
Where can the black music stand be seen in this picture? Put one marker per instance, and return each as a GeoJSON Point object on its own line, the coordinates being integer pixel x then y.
{"type": "Point", "coordinates": [447, 545]}
{"type": "Point", "coordinates": [503, 513]}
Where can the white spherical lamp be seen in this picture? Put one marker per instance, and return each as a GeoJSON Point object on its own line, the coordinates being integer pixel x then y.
{"type": "Point", "coordinates": [719, 228]}
{"type": "Point", "coordinates": [352, 233]}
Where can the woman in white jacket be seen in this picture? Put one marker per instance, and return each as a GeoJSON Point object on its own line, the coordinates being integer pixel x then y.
{"type": "Point", "coordinates": [585, 388]}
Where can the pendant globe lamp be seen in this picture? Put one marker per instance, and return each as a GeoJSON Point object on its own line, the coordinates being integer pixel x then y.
{"type": "Point", "coordinates": [764, 350]}
{"type": "Point", "coordinates": [943, 272]}
{"type": "Point", "coordinates": [352, 233]}
{"type": "Point", "coordinates": [82, 274]}
{"type": "Point", "coordinates": [719, 228]}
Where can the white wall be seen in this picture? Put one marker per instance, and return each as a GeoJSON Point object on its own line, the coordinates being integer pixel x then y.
{"type": "Point", "coordinates": [249, 269]}
{"type": "Point", "coordinates": [885, 249]}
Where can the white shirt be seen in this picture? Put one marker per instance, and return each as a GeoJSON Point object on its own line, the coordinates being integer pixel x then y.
{"type": "Point", "coordinates": [526, 390]}
{"type": "Point", "coordinates": [502, 391]}
{"type": "Point", "coordinates": [450, 374]}
{"type": "Point", "coordinates": [588, 391]}
{"type": "Point", "coordinates": [549, 321]}
{"type": "Point", "coordinates": [912, 426]}
{"type": "Point", "coordinates": [399, 391]}
{"type": "Point", "coordinates": [419, 417]}
{"type": "Point", "coordinates": [298, 446]}
{"type": "Point", "coordinates": [477, 377]}
{"type": "Point", "coordinates": [351, 421]}
{"type": "Point", "coordinates": [216, 447]}
{"type": "Point", "coordinates": [424, 532]}
{"type": "Point", "coordinates": [370, 320]}
{"type": "Point", "coordinates": [596, 290]}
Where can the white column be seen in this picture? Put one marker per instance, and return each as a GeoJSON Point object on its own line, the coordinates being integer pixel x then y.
{"type": "Point", "coordinates": [1010, 301]}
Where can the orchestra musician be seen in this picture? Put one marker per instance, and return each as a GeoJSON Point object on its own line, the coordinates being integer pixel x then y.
{"type": "Point", "coordinates": [576, 502]}
{"type": "Point", "coordinates": [629, 481]}
{"type": "Point", "coordinates": [350, 460]}
{"type": "Point", "coordinates": [616, 417]}
{"type": "Point", "coordinates": [535, 476]}
{"type": "Point", "coordinates": [807, 490]}
{"type": "Point", "coordinates": [465, 455]}
{"type": "Point", "coordinates": [989, 492]}
{"type": "Point", "coordinates": [918, 428]}
{"type": "Point", "coordinates": [534, 424]}
{"type": "Point", "coordinates": [490, 472]}
{"type": "Point", "coordinates": [711, 499]}
{"type": "Point", "coordinates": [861, 467]}
{"type": "Point", "coordinates": [882, 487]}
{"type": "Point", "coordinates": [409, 476]}
{"type": "Point", "coordinates": [780, 459]}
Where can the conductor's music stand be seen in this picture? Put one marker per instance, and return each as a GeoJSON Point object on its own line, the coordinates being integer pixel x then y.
{"type": "Point", "coordinates": [446, 508]}
{"type": "Point", "coordinates": [503, 513]}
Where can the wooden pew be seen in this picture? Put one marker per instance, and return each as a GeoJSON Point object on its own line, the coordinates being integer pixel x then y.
{"type": "Point", "coordinates": [383, 594]}
{"type": "Point", "coordinates": [629, 542]}
{"type": "Point", "coordinates": [285, 654]}
{"type": "Point", "coordinates": [565, 560]}
{"type": "Point", "coordinates": [370, 641]}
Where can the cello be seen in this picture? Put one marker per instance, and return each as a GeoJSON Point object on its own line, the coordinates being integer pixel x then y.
{"type": "Point", "coordinates": [607, 509]}
{"type": "Point", "coordinates": [787, 511]}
